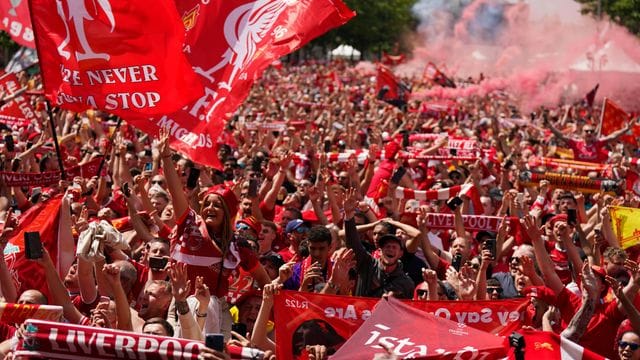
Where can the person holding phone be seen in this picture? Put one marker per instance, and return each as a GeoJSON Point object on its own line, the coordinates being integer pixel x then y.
{"type": "Point", "coordinates": [205, 241]}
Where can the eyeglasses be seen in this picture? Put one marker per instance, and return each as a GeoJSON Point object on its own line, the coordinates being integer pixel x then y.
{"type": "Point", "coordinates": [494, 289]}
{"type": "Point", "coordinates": [632, 346]}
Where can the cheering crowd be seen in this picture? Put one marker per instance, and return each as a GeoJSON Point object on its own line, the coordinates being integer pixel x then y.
{"type": "Point", "coordinates": [325, 188]}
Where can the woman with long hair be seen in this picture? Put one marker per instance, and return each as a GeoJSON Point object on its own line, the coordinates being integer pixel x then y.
{"type": "Point", "coordinates": [204, 240]}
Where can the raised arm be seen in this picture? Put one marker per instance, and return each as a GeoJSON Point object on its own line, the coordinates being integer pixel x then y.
{"type": "Point", "coordinates": [551, 278]}
{"type": "Point", "coordinates": [111, 273]}
{"type": "Point", "coordinates": [578, 324]}
{"type": "Point", "coordinates": [180, 288]}
{"type": "Point", "coordinates": [178, 197]}
{"type": "Point", "coordinates": [58, 292]}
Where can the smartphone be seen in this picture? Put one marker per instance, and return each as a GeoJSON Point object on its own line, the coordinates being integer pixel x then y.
{"type": "Point", "coordinates": [148, 166]}
{"type": "Point", "coordinates": [490, 244]}
{"type": "Point", "coordinates": [405, 139]}
{"type": "Point", "coordinates": [520, 198]}
{"type": "Point", "coordinates": [8, 140]}
{"type": "Point", "coordinates": [147, 153]}
{"type": "Point", "coordinates": [158, 263]}
{"type": "Point", "coordinates": [327, 146]}
{"type": "Point", "coordinates": [15, 165]}
{"type": "Point", "coordinates": [453, 152]}
{"type": "Point", "coordinates": [457, 262]}
{"type": "Point", "coordinates": [125, 190]}
{"type": "Point", "coordinates": [32, 245]}
{"type": "Point", "coordinates": [192, 180]}
{"type": "Point", "coordinates": [454, 202]}
{"type": "Point", "coordinates": [214, 341]}
{"type": "Point", "coordinates": [508, 164]}
{"type": "Point", "coordinates": [397, 176]}
{"type": "Point", "coordinates": [572, 217]}
{"type": "Point", "coordinates": [253, 188]}
{"type": "Point", "coordinates": [256, 165]}
{"type": "Point", "coordinates": [29, 144]}
{"type": "Point", "coordinates": [239, 328]}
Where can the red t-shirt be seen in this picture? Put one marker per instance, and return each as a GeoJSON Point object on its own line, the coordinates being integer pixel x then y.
{"type": "Point", "coordinates": [601, 330]}
{"type": "Point", "coordinates": [6, 331]}
{"type": "Point", "coordinates": [584, 152]}
{"type": "Point", "coordinates": [142, 272]}
{"type": "Point", "coordinates": [191, 244]}
{"type": "Point", "coordinates": [560, 261]}
{"type": "Point", "coordinates": [83, 307]}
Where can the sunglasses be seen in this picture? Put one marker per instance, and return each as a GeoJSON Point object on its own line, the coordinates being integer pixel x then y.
{"type": "Point", "coordinates": [159, 182]}
{"type": "Point", "coordinates": [589, 131]}
{"type": "Point", "coordinates": [301, 230]}
{"type": "Point", "coordinates": [494, 289]}
{"type": "Point", "coordinates": [514, 260]}
{"type": "Point", "coordinates": [632, 346]}
{"type": "Point", "coordinates": [422, 292]}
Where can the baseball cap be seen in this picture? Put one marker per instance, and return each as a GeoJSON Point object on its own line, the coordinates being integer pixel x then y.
{"type": "Point", "coordinates": [386, 238]}
{"type": "Point", "coordinates": [294, 225]}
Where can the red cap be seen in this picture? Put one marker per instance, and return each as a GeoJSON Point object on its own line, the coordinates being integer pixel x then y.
{"type": "Point", "coordinates": [541, 293]}
{"type": "Point", "coordinates": [598, 270]}
{"type": "Point", "coordinates": [227, 195]}
{"type": "Point", "coordinates": [253, 223]}
{"type": "Point", "coordinates": [559, 217]}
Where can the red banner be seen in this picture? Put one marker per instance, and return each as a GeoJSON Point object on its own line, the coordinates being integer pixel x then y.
{"type": "Point", "coordinates": [121, 56]}
{"type": "Point", "coordinates": [409, 333]}
{"type": "Point", "coordinates": [471, 222]}
{"type": "Point", "coordinates": [44, 218]}
{"type": "Point", "coordinates": [53, 340]}
{"type": "Point", "coordinates": [18, 109]}
{"type": "Point", "coordinates": [341, 316]}
{"type": "Point", "coordinates": [17, 22]}
{"type": "Point", "coordinates": [18, 313]}
{"type": "Point", "coordinates": [87, 170]}
{"type": "Point", "coordinates": [230, 43]}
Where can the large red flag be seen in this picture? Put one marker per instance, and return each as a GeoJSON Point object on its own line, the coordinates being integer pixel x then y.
{"type": "Point", "coordinates": [230, 43]}
{"type": "Point", "coordinates": [613, 118]}
{"type": "Point", "coordinates": [17, 22]}
{"type": "Point", "coordinates": [432, 73]}
{"type": "Point", "coordinates": [121, 56]}
{"type": "Point", "coordinates": [408, 333]}
{"type": "Point", "coordinates": [44, 218]}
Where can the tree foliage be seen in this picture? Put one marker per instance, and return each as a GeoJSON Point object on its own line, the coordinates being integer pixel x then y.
{"type": "Point", "coordinates": [378, 25]}
{"type": "Point", "coordinates": [623, 12]}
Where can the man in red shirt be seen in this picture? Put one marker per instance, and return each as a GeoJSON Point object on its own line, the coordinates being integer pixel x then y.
{"type": "Point", "coordinates": [591, 147]}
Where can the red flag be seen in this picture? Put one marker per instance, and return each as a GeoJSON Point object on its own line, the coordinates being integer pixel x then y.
{"type": "Point", "coordinates": [17, 22]}
{"type": "Point", "coordinates": [543, 345]}
{"type": "Point", "coordinates": [44, 218]}
{"type": "Point", "coordinates": [432, 73]}
{"type": "Point", "coordinates": [409, 333]}
{"type": "Point", "coordinates": [121, 56]}
{"type": "Point", "coordinates": [230, 43]}
{"type": "Point", "coordinates": [386, 81]}
{"type": "Point", "coordinates": [19, 108]}
{"type": "Point", "coordinates": [613, 118]}
{"type": "Point", "coordinates": [591, 95]}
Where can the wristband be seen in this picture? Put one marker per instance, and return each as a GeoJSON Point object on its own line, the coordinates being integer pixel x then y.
{"type": "Point", "coordinates": [198, 314]}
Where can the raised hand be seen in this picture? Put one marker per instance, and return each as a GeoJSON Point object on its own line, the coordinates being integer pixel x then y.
{"type": "Point", "coordinates": [111, 273]}
{"type": "Point", "coordinates": [312, 274]}
{"type": "Point", "coordinates": [529, 225]}
{"type": "Point", "coordinates": [203, 294]}
{"type": "Point", "coordinates": [180, 286]}
{"type": "Point", "coordinates": [350, 203]}
{"type": "Point", "coordinates": [429, 276]}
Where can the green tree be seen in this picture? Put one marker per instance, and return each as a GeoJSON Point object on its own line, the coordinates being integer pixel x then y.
{"type": "Point", "coordinates": [623, 12]}
{"type": "Point", "coordinates": [378, 25]}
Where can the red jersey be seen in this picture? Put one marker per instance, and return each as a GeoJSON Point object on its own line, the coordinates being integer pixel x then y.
{"type": "Point", "coordinates": [592, 152]}
{"type": "Point", "coordinates": [191, 244]}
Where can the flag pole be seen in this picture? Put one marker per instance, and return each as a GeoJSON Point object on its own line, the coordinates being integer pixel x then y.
{"type": "Point", "coordinates": [104, 157]}
{"type": "Point", "coordinates": [604, 104]}
{"type": "Point", "coordinates": [55, 139]}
